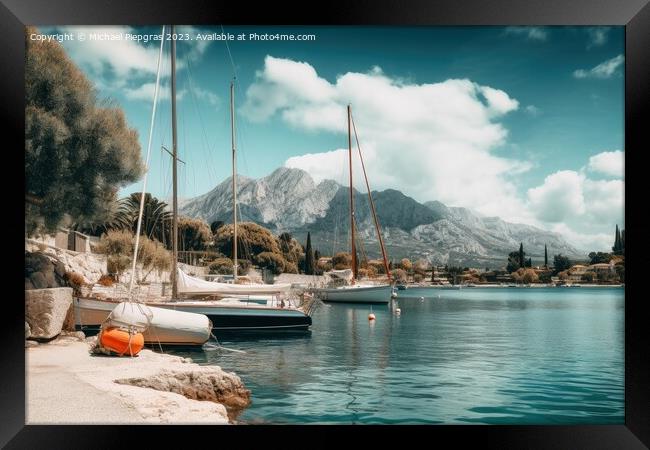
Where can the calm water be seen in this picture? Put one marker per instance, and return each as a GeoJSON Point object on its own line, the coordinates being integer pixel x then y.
{"type": "Point", "coordinates": [477, 355]}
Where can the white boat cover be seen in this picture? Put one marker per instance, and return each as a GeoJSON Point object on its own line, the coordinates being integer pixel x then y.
{"type": "Point", "coordinates": [192, 285]}
{"type": "Point", "coordinates": [163, 325]}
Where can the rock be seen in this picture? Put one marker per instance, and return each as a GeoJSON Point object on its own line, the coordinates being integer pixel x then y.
{"type": "Point", "coordinates": [30, 343]}
{"type": "Point", "coordinates": [28, 284]}
{"type": "Point", "coordinates": [49, 278]}
{"type": "Point", "coordinates": [46, 310]}
{"type": "Point", "coordinates": [79, 335]}
{"type": "Point", "coordinates": [28, 330]}
{"type": "Point", "coordinates": [204, 383]}
{"type": "Point", "coordinates": [59, 268]}
{"type": "Point", "coordinates": [38, 280]}
{"type": "Point", "coordinates": [37, 262]}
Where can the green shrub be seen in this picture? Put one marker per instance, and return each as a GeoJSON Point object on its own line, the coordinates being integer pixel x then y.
{"type": "Point", "coordinates": [221, 266]}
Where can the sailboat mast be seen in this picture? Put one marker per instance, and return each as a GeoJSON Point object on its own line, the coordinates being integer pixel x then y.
{"type": "Point", "coordinates": [372, 205]}
{"type": "Point", "coordinates": [174, 174]}
{"type": "Point", "coordinates": [234, 178]}
{"type": "Point", "coordinates": [352, 246]}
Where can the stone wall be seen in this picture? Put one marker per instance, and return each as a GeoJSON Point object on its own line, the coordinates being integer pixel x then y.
{"type": "Point", "coordinates": [45, 266]}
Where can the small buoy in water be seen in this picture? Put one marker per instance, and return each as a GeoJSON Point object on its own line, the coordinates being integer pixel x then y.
{"type": "Point", "coordinates": [421, 299]}
{"type": "Point", "coordinates": [371, 316]}
{"type": "Point", "coordinates": [398, 311]}
{"type": "Point", "coordinates": [393, 294]}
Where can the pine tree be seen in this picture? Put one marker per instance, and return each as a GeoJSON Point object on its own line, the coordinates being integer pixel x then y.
{"type": "Point", "coordinates": [521, 255]}
{"type": "Point", "coordinates": [309, 257]}
{"type": "Point", "coordinates": [545, 257]}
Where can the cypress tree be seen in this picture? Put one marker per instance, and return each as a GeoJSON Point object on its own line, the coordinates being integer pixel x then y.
{"type": "Point", "coordinates": [617, 242]}
{"type": "Point", "coordinates": [309, 257]}
{"type": "Point", "coordinates": [521, 255]}
{"type": "Point", "coordinates": [622, 241]}
{"type": "Point", "coordinates": [545, 257]}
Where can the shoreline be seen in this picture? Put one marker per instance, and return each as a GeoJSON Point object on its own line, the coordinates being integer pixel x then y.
{"type": "Point", "coordinates": [65, 384]}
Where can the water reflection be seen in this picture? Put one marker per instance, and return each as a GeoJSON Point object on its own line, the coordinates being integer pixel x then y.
{"type": "Point", "coordinates": [469, 356]}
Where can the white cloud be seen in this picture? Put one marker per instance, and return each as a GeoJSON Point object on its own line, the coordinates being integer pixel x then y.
{"type": "Point", "coordinates": [120, 57]}
{"type": "Point", "coordinates": [603, 70]}
{"type": "Point", "coordinates": [531, 33]}
{"type": "Point", "coordinates": [533, 110]}
{"type": "Point", "coordinates": [608, 163]}
{"type": "Point", "coordinates": [605, 200]}
{"type": "Point", "coordinates": [568, 200]}
{"type": "Point", "coordinates": [205, 95]}
{"type": "Point", "coordinates": [120, 64]}
{"type": "Point", "coordinates": [146, 91]}
{"type": "Point", "coordinates": [597, 36]}
{"type": "Point", "coordinates": [559, 197]}
{"type": "Point", "coordinates": [598, 242]}
{"type": "Point", "coordinates": [407, 132]}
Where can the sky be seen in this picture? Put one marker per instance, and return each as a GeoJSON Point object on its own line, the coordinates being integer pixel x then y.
{"type": "Point", "coordinates": [524, 123]}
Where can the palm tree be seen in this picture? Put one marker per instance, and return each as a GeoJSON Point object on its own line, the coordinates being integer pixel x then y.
{"type": "Point", "coordinates": [156, 218]}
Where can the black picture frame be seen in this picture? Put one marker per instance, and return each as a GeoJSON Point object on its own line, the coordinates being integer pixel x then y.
{"type": "Point", "coordinates": [633, 14]}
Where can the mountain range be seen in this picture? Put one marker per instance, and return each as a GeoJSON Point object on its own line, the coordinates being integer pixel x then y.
{"type": "Point", "coordinates": [290, 200]}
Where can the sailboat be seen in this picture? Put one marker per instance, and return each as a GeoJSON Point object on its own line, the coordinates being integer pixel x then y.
{"type": "Point", "coordinates": [356, 292]}
{"type": "Point", "coordinates": [236, 306]}
{"type": "Point", "coordinates": [156, 325]}
{"type": "Point", "coordinates": [241, 306]}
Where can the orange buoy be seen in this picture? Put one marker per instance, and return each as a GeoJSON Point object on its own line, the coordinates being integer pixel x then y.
{"type": "Point", "coordinates": [121, 342]}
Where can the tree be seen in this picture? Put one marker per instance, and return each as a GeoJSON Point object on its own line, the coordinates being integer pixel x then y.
{"type": "Point", "coordinates": [545, 257]}
{"type": "Point", "coordinates": [271, 261]}
{"type": "Point", "coordinates": [526, 276]}
{"type": "Point", "coordinates": [544, 277]}
{"type": "Point", "coordinates": [560, 263]}
{"type": "Point", "coordinates": [78, 153]}
{"type": "Point", "coordinates": [599, 257]}
{"type": "Point", "coordinates": [117, 245]}
{"type": "Point", "coordinates": [420, 267]}
{"type": "Point", "coordinates": [153, 255]}
{"type": "Point", "coordinates": [398, 275]}
{"type": "Point", "coordinates": [252, 239]}
{"type": "Point", "coordinates": [406, 265]}
{"type": "Point", "coordinates": [454, 272]}
{"type": "Point", "coordinates": [521, 255]}
{"type": "Point", "coordinates": [214, 226]}
{"type": "Point", "coordinates": [618, 246]}
{"type": "Point", "coordinates": [342, 260]}
{"type": "Point", "coordinates": [193, 234]}
{"type": "Point", "coordinates": [221, 266]}
{"type": "Point", "coordinates": [622, 242]}
{"type": "Point", "coordinates": [513, 262]}
{"type": "Point", "coordinates": [309, 257]}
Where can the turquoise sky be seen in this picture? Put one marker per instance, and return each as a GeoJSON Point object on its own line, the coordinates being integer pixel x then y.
{"type": "Point", "coordinates": [567, 82]}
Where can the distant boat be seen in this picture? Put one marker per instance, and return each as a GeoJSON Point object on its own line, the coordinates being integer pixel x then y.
{"type": "Point", "coordinates": [358, 293]}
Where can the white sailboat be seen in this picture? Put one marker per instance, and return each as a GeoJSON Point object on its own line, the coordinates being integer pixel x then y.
{"type": "Point", "coordinates": [357, 292]}
{"type": "Point", "coordinates": [234, 308]}
{"type": "Point", "coordinates": [157, 325]}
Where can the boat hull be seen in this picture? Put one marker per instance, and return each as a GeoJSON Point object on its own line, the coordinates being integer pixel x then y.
{"type": "Point", "coordinates": [166, 327]}
{"type": "Point", "coordinates": [352, 294]}
{"type": "Point", "coordinates": [223, 317]}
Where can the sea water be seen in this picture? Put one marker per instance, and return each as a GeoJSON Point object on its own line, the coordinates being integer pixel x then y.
{"type": "Point", "coordinates": [470, 356]}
